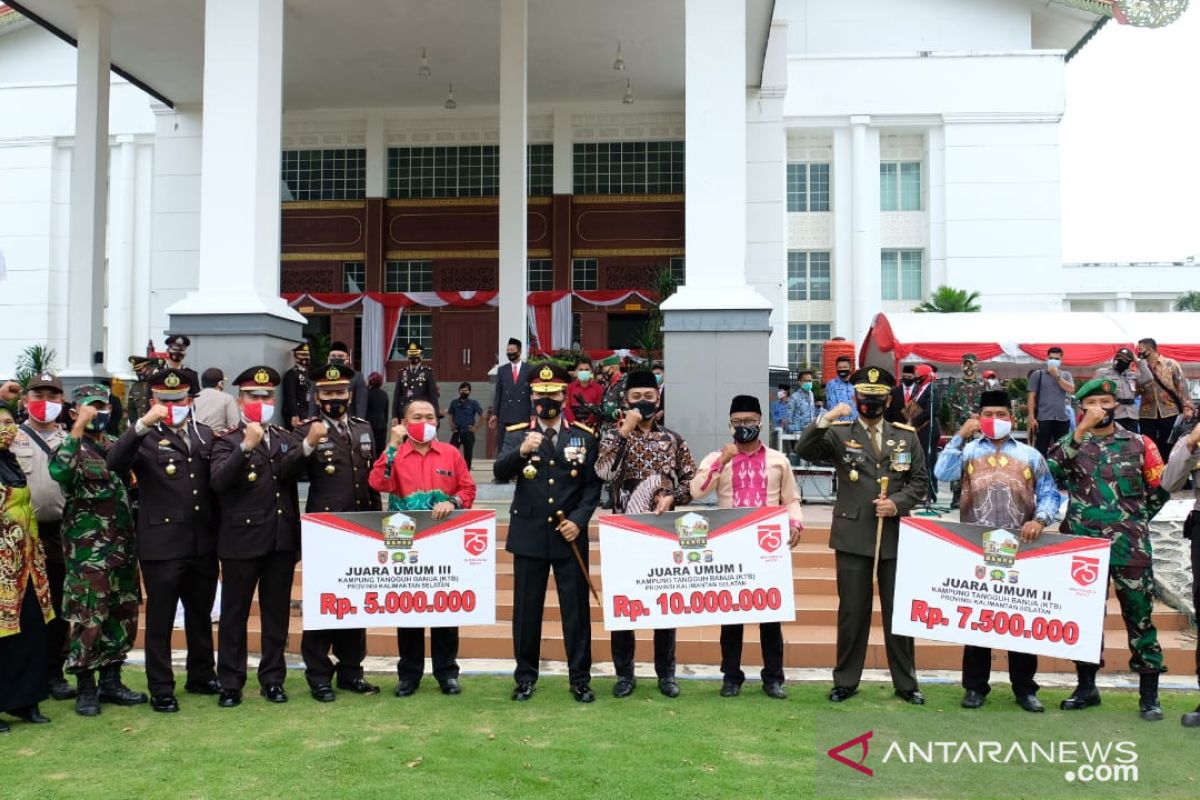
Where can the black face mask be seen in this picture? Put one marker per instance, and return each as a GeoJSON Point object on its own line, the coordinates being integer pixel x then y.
{"type": "Point", "coordinates": [334, 409]}
{"type": "Point", "coordinates": [1120, 366]}
{"type": "Point", "coordinates": [339, 361]}
{"type": "Point", "coordinates": [513, 356]}
{"type": "Point", "coordinates": [907, 381]}
{"type": "Point", "coordinates": [464, 395]}
{"type": "Point", "coordinates": [872, 407]}
{"type": "Point", "coordinates": [744, 434]}
{"type": "Point", "coordinates": [1107, 419]}
{"type": "Point", "coordinates": [414, 360]}
{"type": "Point", "coordinates": [547, 407]}
{"type": "Point", "coordinates": [645, 408]}
{"type": "Point", "coordinates": [1142, 354]}
{"type": "Point", "coordinates": [843, 373]}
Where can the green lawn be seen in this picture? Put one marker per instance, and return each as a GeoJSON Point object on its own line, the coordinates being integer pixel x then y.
{"type": "Point", "coordinates": [479, 744]}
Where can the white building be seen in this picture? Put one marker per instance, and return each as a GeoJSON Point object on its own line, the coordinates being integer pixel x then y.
{"type": "Point", "coordinates": [1135, 286]}
{"type": "Point", "coordinates": [842, 158]}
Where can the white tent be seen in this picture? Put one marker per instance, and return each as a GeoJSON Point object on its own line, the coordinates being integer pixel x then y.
{"type": "Point", "coordinates": [1013, 342]}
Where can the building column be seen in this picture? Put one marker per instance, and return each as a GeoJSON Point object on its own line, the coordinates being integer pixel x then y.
{"type": "Point", "coordinates": [235, 316]}
{"type": "Point", "coordinates": [514, 15]}
{"type": "Point", "coordinates": [716, 328]}
{"type": "Point", "coordinates": [564, 152]}
{"type": "Point", "coordinates": [842, 205]}
{"type": "Point", "coordinates": [864, 153]}
{"type": "Point", "coordinates": [376, 165]}
{"type": "Point", "coordinates": [89, 198]}
{"type": "Point", "coordinates": [935, 160]}
{"type": "Point", "coordinates": [119, 310]}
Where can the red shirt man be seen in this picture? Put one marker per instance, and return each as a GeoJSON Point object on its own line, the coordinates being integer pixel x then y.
{"type": "Point", "coordinates": [584, 396]}
{"type": "Point", "coordinates": [422, 474]}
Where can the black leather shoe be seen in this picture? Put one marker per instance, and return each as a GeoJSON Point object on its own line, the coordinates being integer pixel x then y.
{"type": "Point", "coordinates": [1030, 703]}
{"type": "Point", "coordinates": [1191, 719]}
{"type": "Point", "coordinates": [730, 689]}
{"type": "Point", "coordinates": [911, 696]}
{"type": "Point", "coordinates": [583, 693]}
{"type": "Point", "coordinates": [210, 686]}
{"type": "Point", "coordinates": [774, 690]}
{"type": "Point", "coordinates": [358, 686]}
{"type": "Point", "coordinates": [274, 693]}
{"type": "Point", "coordinates": [1081, 698]}
{"type": "Point", "coordinates": [230, 698]}
{"type": "Point", "coordinates": [61, 690]}
{"type": "Point", "coordinates": [840, 694]}
{"type": "Point", "coordinates": [623, 687]}
{"type": "Point", "coordinates": [450, 686]}
{"type": "Point", "coordinates": [323, 693]}
{"type": "Point", "coordinates": [406, 688]}
{"type": "Point", "coordinates": [523, 692]}
{"type": "Point", "coordinates": [669, 687]}
{"type": "Point", "coordinates": [974, 699]}
{"type": "Point", "coordinates": [164, 703]}
{"type": "Point", "coordinates": [31, 714]}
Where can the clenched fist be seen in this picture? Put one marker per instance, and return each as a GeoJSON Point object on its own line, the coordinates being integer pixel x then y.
{"type": "Point", "coordinates": [316, 432]}
{"type": "Point", "coordinates": [253, 435]}
{"type": "Point", "coordinates": [838, 412]}
{"type": "Point", "coordinates": [533, 441]}
{"type": "Point", "coordinates": [155, 415]}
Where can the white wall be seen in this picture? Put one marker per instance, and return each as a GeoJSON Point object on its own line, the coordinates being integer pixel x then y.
{"type": "Point", "coordinates": [894, 26]}
{"type": "Point", "coordinates": [37, 119]}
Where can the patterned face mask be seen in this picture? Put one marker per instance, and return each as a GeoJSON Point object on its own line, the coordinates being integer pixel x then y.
{"type": "Point", "coordinates": [8, 432]}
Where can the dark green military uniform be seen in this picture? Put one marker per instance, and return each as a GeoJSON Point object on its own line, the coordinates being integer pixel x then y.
{"type": "Point", "coordinates": [1114, 486]}
{"type": "Point", "coordinates": [853, 531]}
{"type": "Point", "coordinates": [137, 398]}
{"type": "Point", "coordinates": [101, 590]}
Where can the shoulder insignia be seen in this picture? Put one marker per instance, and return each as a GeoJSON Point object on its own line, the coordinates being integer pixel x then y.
{"type": "Point", "coordinates": [583, 428]}
{"type": "Point", "coordinates": [518, 426]}
{"type": "Point", "coordinates": [225, 431]}
{"type": "Point", "coordinates": [359, 420]}
{"type": "Point", "coordinates": [842, 422]}
{"type": "Point", "coordinates": [904, 427]}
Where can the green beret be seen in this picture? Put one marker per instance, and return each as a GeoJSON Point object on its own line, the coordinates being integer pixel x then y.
{"type": "Point", "coordinates": [974, 359]}
{"type": "Point", "coordinates": [1097, 386]}
{"type": "Point", "coordinates": [90, 393]}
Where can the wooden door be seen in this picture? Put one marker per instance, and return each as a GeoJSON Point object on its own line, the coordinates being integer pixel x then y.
{"type": "Point", "coordinates": [466, 345]}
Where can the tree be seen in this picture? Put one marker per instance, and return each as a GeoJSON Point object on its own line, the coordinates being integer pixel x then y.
{"type": "Point", "coordinates": [948, 300]}
{"type": "Point", "coordinates": [1188, 301]}
{"type": "Point", "coordinates": [650, 338]}
{"type": "Point", "coordinates": [33, 361]}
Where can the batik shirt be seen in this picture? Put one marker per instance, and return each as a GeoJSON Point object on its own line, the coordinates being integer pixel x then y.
{"type": "Point", "coordinates": [840, 391]}
{"type": "Point", "coordinates": [644, 466]}
{"type": "Point", "coordinates": [1002, 486]}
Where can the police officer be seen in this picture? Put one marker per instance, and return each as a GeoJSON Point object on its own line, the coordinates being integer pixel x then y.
{"type": "Point", "coordinates": [296, 389]}
{"type": "Point", "coordinates": [414, 382]}
{"type": "Point", "coordinates": [863, 451]}
{"type": "Point", "coordinates": [556, 493]}
{"type": "Point", "coordinates": [337, 481]}
{"type": "Point", "coordinates": [170, 453]}
{"type": "Point", "coordinates": [254, 470]}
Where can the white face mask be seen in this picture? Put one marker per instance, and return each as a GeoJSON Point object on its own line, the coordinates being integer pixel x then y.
{"type": "Point", "coordinates": [422, 432]}
{"type": "Point", "coordinates": [258, 412]}
{"type": "Point", "coordinates": [45, 411]}
{"type": "Point", "coordinates": [179, 414]}
{"type": "Point", "coordinates": [994, 428]}
{"type": "Point", "coordinates": [781, 394]}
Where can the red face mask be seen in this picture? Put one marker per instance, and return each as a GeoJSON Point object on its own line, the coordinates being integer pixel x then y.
{"type": "Point", "coordinates": [422, 432]}
{"type": "Point", "coordinates": [994, 428]}
{"type": "Point", "coordinates": [44, 410]}
{"type": "Point", "coordinates": [255, 411]}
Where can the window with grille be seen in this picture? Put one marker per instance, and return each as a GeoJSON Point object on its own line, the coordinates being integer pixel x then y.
{"type": "Point", "coordinates": [901, 274]}
{"type": "Point", "coordinates": [414, 326]}
{"type": "Point", "coordinates": [900, 186]}
{"type": "Point", "coordinates": [324, 174]}
{"type": "Point", "coordinates": [354, 277]}
{"type": "Point", "coordinates": [678, 270]}
{"type": "Point", "coordinates": [540, 274]}
{"type": "Point", "coordinates": [584, 274]}
{"type": "Point", "coordinates": [807, 187]}
{"type": "Point", "coordinates": [809, 275]}
{"type": "Point", "coordinates": [805, 340]}
{"type": "Point", "coordinates": [629, 167]}
{"type": "Point", "coordinates": [462, 171]}
{"type": "Point", "coordinates": [408, 276]}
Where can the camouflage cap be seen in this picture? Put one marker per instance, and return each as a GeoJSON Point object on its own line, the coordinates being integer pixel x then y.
{"type": "Point", "coordinates": [1097, 386]}
{"type": "Point", "coordinates": [90, 393]}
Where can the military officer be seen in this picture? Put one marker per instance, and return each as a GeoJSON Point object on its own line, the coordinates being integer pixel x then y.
{"type": "Point", "coordinates": [337, 481]}
{"type": "Point", "coordinates": [866, 526]}
{"type": "Point", "coordinates": [170, 452]}
{"type": "Point", "coordinates": [1114, 484]}
{"type": "Point", "coordinates": [137, 398]}
{"type": "Point", "coordinates": [296, 389]}
{"type": "Point", "coordinates": [101, 588]}
{"type": "Point", "coordinates": [254, 470]}
{"type": "Point", "coordinates": [556, 493]}
{"type": "Point", "coordinates": [961, 402]}
{"type": "Point", "coordinates": [414, 382]}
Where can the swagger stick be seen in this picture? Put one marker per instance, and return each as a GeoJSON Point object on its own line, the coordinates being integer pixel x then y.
{"type": "Point", "coordinates": [883, 487]}
{"type": "Point", "coordinates": [582, 566]}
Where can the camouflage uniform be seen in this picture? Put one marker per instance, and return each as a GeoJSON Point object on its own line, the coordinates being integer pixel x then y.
{"type": "Point", "coordinates": [102, 590]}
{"type": "Point", "coordinates": [1114, 486]}
{"type": "Point", "coordinates": [962, 400]}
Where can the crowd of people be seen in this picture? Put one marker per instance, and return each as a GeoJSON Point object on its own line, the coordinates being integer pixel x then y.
{"type": "Point", "coordinates": [199, 482]}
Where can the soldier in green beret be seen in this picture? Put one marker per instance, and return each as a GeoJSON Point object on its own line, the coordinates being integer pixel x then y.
{"type": "Point", "coordinates": [101, 589]}
{"type": "Point", "coordinates": [1113, 477]}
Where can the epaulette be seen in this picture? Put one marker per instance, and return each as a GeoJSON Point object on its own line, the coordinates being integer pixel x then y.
{"type": "Point", "coordinates": [583, 428]}
{"type": "Point", "coordinates": [904, 427]}
{"type": "Point", "coordinates": [842, 422]}
{"type": "Point", "coordinates": [360, 420]}
{"type": "Point", "coordinates": [517, 426]}
{"type": "Point", "coordinates": [225, 431]}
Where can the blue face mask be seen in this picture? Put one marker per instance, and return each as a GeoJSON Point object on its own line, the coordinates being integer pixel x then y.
{"type": "Point", "coordinates": [658, 377]}
{"type": "Point", "coordinates": [1054, 362]}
